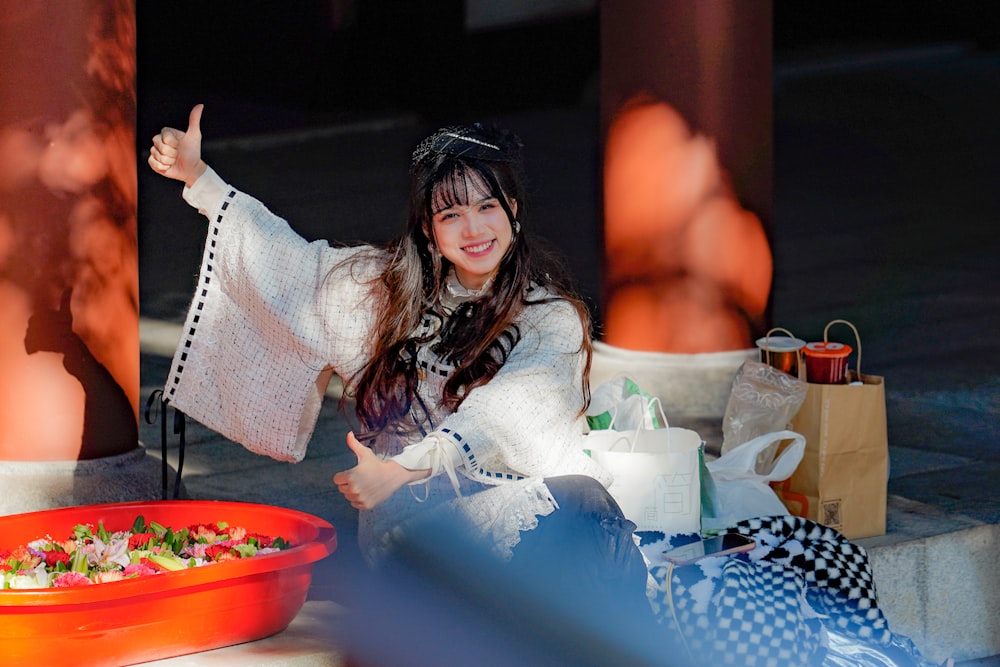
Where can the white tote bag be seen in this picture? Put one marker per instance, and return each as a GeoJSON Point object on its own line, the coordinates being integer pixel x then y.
{"type": "Point", "coordinates": [656, 471]}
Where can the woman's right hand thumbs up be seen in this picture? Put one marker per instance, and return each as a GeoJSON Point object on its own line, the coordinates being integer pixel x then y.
{"type": "Point", "coordinates": [176, 154]}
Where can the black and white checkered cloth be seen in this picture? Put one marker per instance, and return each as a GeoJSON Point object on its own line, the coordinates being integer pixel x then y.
{"type": "Point", "coordinates": [773, 606]}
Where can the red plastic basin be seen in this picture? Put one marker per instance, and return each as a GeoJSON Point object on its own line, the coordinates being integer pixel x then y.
{"type": "Point", "coordinates": [169, 614]}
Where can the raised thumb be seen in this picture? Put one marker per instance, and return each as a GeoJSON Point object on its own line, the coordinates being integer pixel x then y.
{"type": "Point", "coordinates": [359, 450]}
{"type": "Point", "coordinates": [194, 120]}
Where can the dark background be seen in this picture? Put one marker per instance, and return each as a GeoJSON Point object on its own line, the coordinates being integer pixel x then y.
{"type": "Point", "coordinates": [292, 64]}
{"type": "Point", "coordinates": [279, 65]}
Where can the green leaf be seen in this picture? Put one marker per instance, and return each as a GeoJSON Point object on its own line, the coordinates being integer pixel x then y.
{"type": "Point", "coordinates": [139, 525]}
{"type": "Point", "coordinates": [245, 550]}
{"type": "Point", "coordinates": [166, 562]}
{"type": "Point", "coordinates": [78, 563]}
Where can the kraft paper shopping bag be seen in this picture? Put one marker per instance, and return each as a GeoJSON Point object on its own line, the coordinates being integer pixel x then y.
{"type": "Point", "coordinates": [842, 481]}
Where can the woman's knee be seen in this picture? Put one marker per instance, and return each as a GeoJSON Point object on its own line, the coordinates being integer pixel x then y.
{"type": "Point", "coordinates": [584, 495]}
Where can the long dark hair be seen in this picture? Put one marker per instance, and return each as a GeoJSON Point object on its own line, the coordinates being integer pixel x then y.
{"type": "Point", "coordinates": [479, 336]}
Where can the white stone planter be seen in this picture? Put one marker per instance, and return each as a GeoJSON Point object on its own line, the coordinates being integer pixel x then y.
{"type": "Point", "coordinates": [29, 486]}
{"type": "Point", "coordinates": [690, 386]}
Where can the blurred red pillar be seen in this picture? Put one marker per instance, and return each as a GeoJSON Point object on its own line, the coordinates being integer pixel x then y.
{"type": "Point", "coordinates": [69, 334]}
{"type": "Point", "coordinates": [686, 116]}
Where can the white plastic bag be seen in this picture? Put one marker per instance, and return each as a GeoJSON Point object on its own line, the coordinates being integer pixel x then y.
{"type": "Point", "coordinates": [621, 404]}
{"type": "Point", "coordinates": [741, 489]}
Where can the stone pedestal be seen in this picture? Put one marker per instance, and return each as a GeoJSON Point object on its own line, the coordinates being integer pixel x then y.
{"type": "Point", "coordinates": [30, 486]}
{"type": "Point", "coordinates": [688, 385]}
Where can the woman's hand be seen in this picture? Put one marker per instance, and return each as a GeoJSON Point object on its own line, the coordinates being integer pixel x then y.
{"type": "Point", "coordinates": [177, 154]}
{"type": "Point", "coordinates": [369, 483]}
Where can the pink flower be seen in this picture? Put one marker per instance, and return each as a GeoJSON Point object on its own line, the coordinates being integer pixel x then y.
{"type": "Point", "coordinates": [138, 570]}
{"type": "Point", "coordinates": [71, 579]}
{"type": "Point", "coordinates": [196, 550]}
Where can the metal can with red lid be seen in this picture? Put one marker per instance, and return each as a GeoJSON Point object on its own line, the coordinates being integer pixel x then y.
{"type": "Point", "coordinates": [826, 362]}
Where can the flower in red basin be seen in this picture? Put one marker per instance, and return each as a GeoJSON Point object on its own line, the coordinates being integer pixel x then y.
{"type": "Point", "coordinates": [138, 570]}
{"type": "Point", "coordinates": [53, 558]}
{"type": "Point", "coordinates": [203, 532]}
{"type": "Point", "coordinates": [24, 556]}
{"type": "Point", "coordinates": [216, 551]}
{"type": "Point", "coordinates": [263, 541]}
{"type": "Point", "coordinates": [71, 579]}
{"type": "Point", "coordinates": [152, 566]}
{"type": "Point", "coordinates": [139, 540]}
{"type": "Point", "coordinates": [107, 576]}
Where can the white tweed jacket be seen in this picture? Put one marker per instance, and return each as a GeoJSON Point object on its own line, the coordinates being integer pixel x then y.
{"type": "Point", "coordinates": [274, 316]}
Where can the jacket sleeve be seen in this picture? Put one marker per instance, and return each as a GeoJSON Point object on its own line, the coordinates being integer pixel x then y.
{"type": "Point", "coordinates": [273, 317]}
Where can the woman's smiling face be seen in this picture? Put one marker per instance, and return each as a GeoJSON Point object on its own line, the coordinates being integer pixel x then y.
{"type": "Point", "coordinates": [470, 228]}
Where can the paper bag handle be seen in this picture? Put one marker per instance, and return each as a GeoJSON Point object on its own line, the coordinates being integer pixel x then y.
{"type": "Point", "coordinates": [767, 350]}
{"type": "Point", "coordinates": [857, 337]}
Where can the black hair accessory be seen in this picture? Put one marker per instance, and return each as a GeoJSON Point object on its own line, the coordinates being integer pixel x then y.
{"type": "Point", "coordinates": [459, 141]}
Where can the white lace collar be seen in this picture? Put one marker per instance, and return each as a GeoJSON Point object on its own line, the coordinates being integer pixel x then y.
{"type": "Point", "coordinates": [455, 294]}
